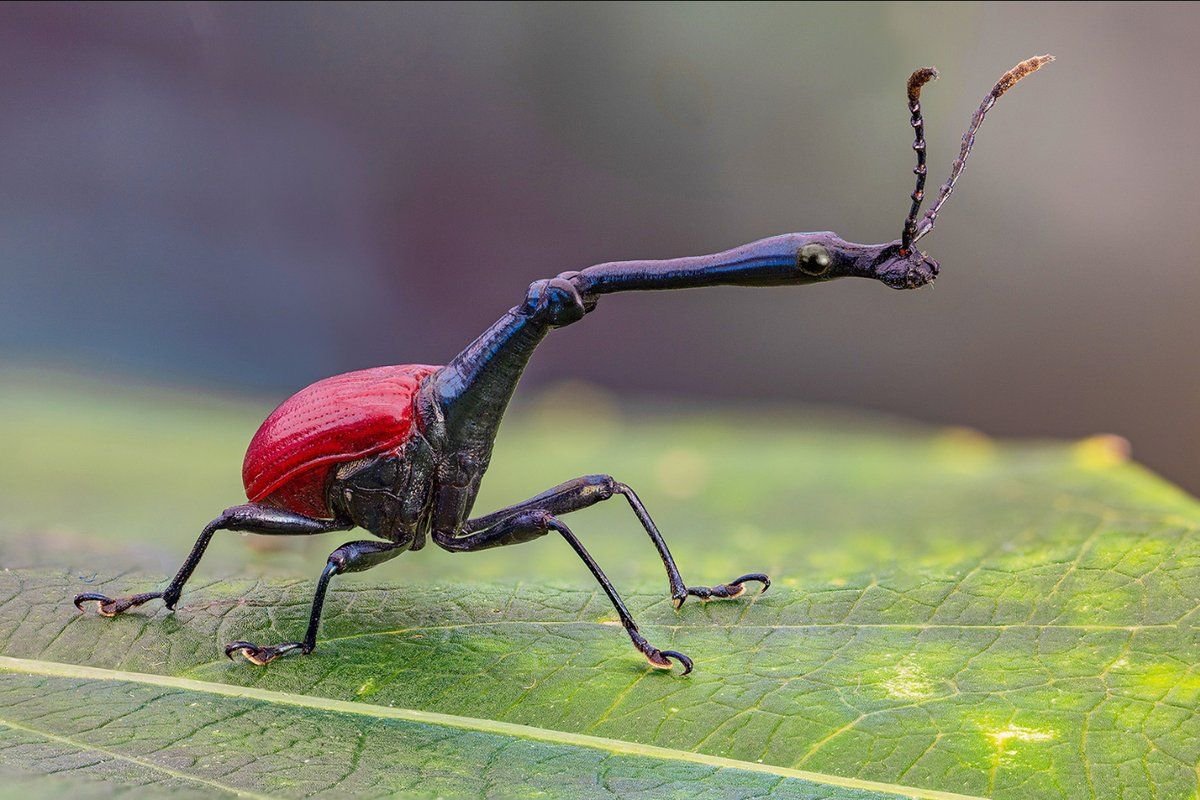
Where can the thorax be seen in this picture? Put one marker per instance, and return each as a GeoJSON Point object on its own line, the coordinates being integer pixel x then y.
{"type": "Point", "coordinates": [429, 482]}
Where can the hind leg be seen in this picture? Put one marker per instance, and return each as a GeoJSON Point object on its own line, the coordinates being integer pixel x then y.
{"type": "Point", "coordinates": [251, 518]}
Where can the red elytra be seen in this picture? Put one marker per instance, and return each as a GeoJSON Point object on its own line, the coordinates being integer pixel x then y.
{"type": "Point", "coordinates": [335, 420]}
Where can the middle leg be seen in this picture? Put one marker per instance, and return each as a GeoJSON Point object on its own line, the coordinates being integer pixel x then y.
{"type": "Point", "coordinates": [350, 557]}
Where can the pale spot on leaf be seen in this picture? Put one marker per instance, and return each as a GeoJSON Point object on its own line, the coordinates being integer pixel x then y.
{"type": "Point", "coordinates": [909, 682]}
{"type": "Point", "coordinates": [1004, 737]}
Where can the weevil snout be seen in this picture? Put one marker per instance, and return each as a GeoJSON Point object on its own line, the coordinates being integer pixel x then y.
{"type": "Point", "coordinates": [910, 271]}
{"type": "Point", "coordinates": [892, 265]}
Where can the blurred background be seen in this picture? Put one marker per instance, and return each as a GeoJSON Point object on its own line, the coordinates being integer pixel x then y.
{"type": "Point", "coordinates": [240, 199]}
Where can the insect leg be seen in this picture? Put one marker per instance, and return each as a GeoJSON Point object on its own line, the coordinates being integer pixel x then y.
{"type": "Point", "coordinates": [581, 493]}
{"type": "Point", "coordinates": [251, 518]}
{"type": "Point", "coordinates": [350, 557]}
{"type": "Point", "coordinates": [532, 524]}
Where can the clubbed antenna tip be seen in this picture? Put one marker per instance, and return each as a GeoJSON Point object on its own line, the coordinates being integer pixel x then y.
{"type": "Point", "coordinates": [1026, 67]}
{"type": "Point", "coordinates": [918, 79]}
{"type": "Point", "coordinates": [1006, 82]}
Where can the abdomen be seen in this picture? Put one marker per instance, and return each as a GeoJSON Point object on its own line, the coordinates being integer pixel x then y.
{"type": "Point", "coordinates": [297, 449]}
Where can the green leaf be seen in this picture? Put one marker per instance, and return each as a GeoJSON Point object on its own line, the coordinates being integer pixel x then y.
{"type": "Point", "coordinates": [952, 617]}
{"type": "Point", "coordinates": [174, 734]}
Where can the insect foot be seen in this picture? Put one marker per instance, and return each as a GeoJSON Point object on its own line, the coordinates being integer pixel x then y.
{"type": "Point", "coordinates": [659, 659]}
{"type": "Point", "coordinates": [265, 655]}
{"type": "Point", "coordinates": [726, 591]}
{"type": "Point", "coordinates": [109, 607]}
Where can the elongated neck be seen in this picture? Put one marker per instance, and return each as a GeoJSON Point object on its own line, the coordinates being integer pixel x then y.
{"type": "Point", "coordinates": [474, 389]}
{"type": "Point", "coordinates": [767, 262]}
{"type": "Point", "coordinates": [471, 393]}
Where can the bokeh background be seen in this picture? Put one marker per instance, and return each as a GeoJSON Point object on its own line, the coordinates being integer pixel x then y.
{"type": "Point", "coordinates": [241, 198]}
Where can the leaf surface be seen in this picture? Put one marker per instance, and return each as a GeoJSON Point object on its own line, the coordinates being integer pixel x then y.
{"type": "Point", "coordinates": [952, 617]}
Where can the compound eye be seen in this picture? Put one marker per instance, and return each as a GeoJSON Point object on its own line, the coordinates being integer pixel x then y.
{"type": "Point", "coordinates": [814, 259]}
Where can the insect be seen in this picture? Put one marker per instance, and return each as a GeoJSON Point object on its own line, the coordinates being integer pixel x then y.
{"type": "Point", "coordinates": [400, 451]}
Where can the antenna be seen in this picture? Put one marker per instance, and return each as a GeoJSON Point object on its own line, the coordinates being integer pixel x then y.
{"type": "Point", "coordinates": [915, 82]}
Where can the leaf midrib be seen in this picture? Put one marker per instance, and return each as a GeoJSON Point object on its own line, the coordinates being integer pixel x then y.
{"type": "Point", "coordinates": [79, 672]}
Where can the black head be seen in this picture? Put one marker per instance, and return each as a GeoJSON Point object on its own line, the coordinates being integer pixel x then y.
{"type": "Point", "coordinates": [902, 268]}
{"type": "Point", "coordinates": [825, 256]}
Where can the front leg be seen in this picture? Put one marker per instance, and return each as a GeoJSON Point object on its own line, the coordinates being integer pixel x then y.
{"type": "Point", "coordinates": [582, 493]}
{"type": "Point", "coordinates": [538, 516]}
{"type": "Point", "coordinates": [534, 524]}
